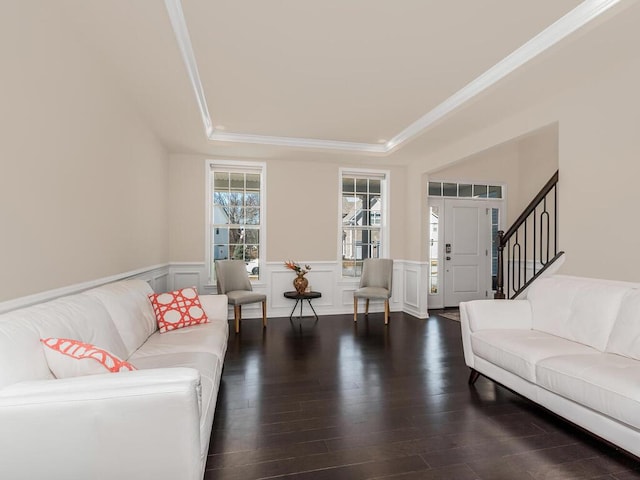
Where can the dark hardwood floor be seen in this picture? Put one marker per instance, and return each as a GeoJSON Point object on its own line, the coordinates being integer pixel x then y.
{"type": "Point", "coordinates": [334, 400]}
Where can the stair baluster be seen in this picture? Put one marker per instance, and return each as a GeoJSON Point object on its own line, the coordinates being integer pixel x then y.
{"type": "Point", "coordinates": [520, 243]}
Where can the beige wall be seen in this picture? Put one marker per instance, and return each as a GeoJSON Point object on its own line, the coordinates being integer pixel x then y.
{"type": "Point", "coordinates": [523, 164]}
{"type": "Point", "coordinates": [83, 180]}
{"type": "Point", "coordinates": [537, 162]}
{"type": "Point", "coordinates": [187, 208]}
{"type": "Point", "coordinates": [497, 165]}
{"type": "Point", "coordinates": [302, 209]}
{"type": "Point", "coordinates": [598, 162]}
{"type": "Point", "coordinates": [87, 191]}
{"type": "Point", "coordinates": [599, 168]}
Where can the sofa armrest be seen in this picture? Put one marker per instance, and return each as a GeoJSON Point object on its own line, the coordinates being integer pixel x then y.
{"type": "Point", "coordinates": [141, 424]}
{"type": "Point", "coordinates": [215, 306]}
{"type": "Point", "coordinates": [491, 314]}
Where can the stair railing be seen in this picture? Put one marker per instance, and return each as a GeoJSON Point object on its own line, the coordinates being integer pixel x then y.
{"type": "Point", "coordinates": [530, 245]}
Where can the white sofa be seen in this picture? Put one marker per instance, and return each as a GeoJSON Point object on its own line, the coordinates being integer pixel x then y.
{"type": "Point", "coordinates": [572, 346]}
{"type": "Point", "coordinates": [154, 422]}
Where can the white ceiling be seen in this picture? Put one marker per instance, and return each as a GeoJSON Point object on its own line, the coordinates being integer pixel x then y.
{"type": "Point", "coordinates": [365, 76]}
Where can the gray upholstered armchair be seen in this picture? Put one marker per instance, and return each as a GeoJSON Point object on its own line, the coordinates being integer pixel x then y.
{"type": "Point", "coordinates": [375, 283]}
{"type": "Point", "coordinates": [233, 281]}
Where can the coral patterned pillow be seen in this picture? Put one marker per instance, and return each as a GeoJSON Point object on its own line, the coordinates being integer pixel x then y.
{"type": "Point", "coordinates": [72, 358]}
{"type": "Point", "coordinates": [178, 309]}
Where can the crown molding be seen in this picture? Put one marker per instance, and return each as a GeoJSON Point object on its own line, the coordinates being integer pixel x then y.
{"type": "Point", "coordinates": [563, 27]}
{"type": "Point", "coordinates": [298, 142]}
{"type": "Point", "coordinates": [179, 25]}
{"type": "Point", "coordinates": [550, 36]}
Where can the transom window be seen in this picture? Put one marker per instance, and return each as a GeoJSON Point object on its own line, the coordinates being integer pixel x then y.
{"type": "Point", "coordinates": [363, 219]}
{"type": "Point", "coordinates": [464, 190]}
{"type": "Point", "coordinates": [237, 206]}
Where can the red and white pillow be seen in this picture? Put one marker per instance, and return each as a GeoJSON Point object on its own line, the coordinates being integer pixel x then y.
{"type": "Point", "coordinates": [72, 358]}
{"type": "Point", "coordinates": [178, 309]}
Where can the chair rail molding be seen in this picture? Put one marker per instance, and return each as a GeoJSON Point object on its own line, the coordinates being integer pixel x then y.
{"type": "Point", "coordinates": [157, 276]}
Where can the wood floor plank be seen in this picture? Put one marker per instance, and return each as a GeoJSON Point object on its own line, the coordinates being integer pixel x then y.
{"type": "Point", "coordinates": [333, 400]}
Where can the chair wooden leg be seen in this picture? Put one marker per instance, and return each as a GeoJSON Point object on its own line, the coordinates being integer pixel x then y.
{"type": "Point", "coordinates": [366, 307]}
{"type": "Point", "coordinates": [386, 311]}
{"type": "Point", "coordinates": [264, 314]}
{"type": "Point", "coordinates": [355, 309]}
{"type": "Point", "coordinates": [237, 313]}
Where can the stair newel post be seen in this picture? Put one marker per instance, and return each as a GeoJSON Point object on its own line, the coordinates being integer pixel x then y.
{"type": "Point", "coordinates": [499, 295]}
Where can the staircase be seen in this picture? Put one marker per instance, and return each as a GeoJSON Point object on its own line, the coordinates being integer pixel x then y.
{"type": "Point", "coordinates": [530, 246]}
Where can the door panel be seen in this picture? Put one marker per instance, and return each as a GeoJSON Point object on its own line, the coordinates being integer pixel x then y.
{"type": "Point", "coordinates": [467, 230]}
{"type": "Point", "coordinates": [465, 279]}
{"type": "Point", "coordinates": [465, 236]}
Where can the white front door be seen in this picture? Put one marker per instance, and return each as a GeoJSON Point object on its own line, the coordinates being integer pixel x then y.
{"type": "Point", "coordinates": [467, 233]}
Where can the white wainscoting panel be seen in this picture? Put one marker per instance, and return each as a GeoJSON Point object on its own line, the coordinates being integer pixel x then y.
{"type": "Point", "coordinates": [321, 279]}
{"type": "Point", "coordinates": [415, 288]}
{"type": "Point", "coordinates": [157, 278]}
{"type": "Point", "coordinates": [160, 282]}
{"type": "Point", "coordinates": [186, 279]}
{"type": "Point", "coordinates": [409, 288]}
{"type": "Point", "coordinates": [189, 274]}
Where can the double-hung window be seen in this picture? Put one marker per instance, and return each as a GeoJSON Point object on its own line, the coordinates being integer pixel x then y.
{"type": "Point", "coordinates": [236, 214]}
{"type": "Point", "coordinates": [363, 218]}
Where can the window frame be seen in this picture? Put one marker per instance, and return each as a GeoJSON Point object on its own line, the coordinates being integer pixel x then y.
{"type": "Point", "coordinates": [385, 238]}
{"type": "Point", "coordinates": [235, 167]}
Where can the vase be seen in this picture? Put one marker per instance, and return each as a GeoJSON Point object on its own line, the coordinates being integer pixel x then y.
{"type": "Point", "coordinates": [300, 283]}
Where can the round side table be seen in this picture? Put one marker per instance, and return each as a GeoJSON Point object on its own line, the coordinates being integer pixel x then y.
{"type": "Point", "coordinates": [299, 298]}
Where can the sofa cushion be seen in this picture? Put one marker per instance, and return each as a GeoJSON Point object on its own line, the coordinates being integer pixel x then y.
{"type": "Point", "coordinates": [72, 358]}
{"type": "Point", "coordinates": [606, 383]}
{"type": "Point", "coordinates": [178, 309]}
{"type": "Point", "coordinates": [130, 310]}
{"type": "Point", "coordinates": [578, 309]}
{"type": "Point", "coordinates": [518, 351]}
{"type": "Point", "coordinates": [215, 306]}
{"type": "Point", "coordinates": [209, 337]}
{"type": "Point", "coordinates": [76, 316]}
{"type": "Point", "coordinates": [21, 353]}
{"type": "Point", "coordinates": [625, 335]}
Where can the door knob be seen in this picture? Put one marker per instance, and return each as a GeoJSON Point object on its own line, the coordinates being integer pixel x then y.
{"type": "Point", "coordinates": [448, 258]}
